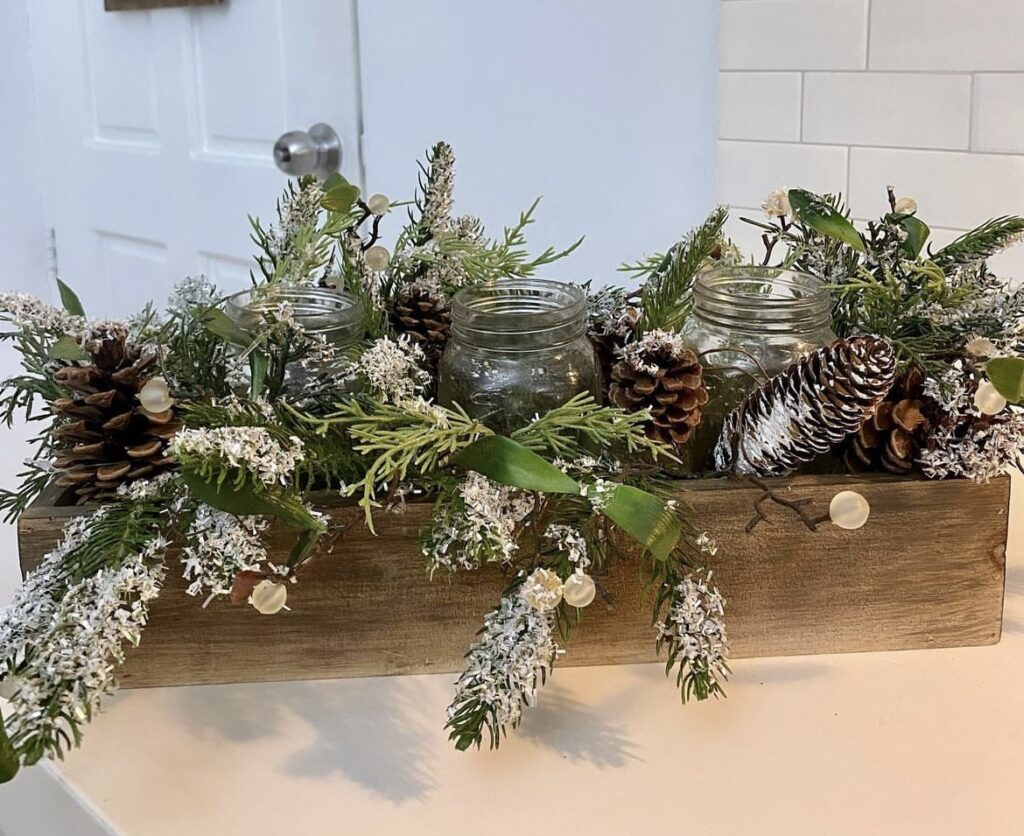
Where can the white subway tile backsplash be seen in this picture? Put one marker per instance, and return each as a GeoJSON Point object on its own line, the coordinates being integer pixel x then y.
{"type": "Point", "coordinates": [888, 109]}
{"type": "Point", "coordinates": [748, 171]}
{"type": "Point", "coordinates": [999, 112]}
{"type": "Point", "coordinates": [763, 106]}
{"type": "Point", "coordinates": [793, 34]}
{"type": "Point", "coordinates": [956, 190]}
{"type": "Point", "coordinates": [946, 35]}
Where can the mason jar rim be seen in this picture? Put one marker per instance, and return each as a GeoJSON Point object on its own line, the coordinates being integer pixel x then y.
{"type": "Point", "coordinates": [795, 300]}
{"type": "Point", "coordinates": [307, 302]}
{"type": "Point", "coordinates": [540, 307]}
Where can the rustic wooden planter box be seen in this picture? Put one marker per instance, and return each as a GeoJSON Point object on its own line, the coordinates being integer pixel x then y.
{"type": "Point", "coordinates": [926, 571]}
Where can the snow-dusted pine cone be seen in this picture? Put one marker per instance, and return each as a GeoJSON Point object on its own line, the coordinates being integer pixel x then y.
{"type": "Point", "coordinates": [610, 337]}
{"type": "Point", "coordinates": [891, 437]}
{"type": "Point", "coordinates": [807, 408]}
{"type": "Point", "coordinates": [426, 317]}
{"type": "Point", "coordinates": [109, 438]}
{"type": "Point", "coordinates": [659, 373]}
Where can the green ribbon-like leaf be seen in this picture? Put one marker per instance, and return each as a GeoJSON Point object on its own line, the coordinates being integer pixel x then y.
{"type": "Point", "coordinates": [247, 501]}
{"type": "Point", "coordinates": [69, 299]}
{"type": "Point", "coordinates": [822, 218]}
{"type": "Point", "coordinates": [221, 325]}
{"type": "Point", "coordinates": [9, 763]}
{"type": "Point", "coordinates": [510, 463]}
{"type": "Point", "coordinates": [67, 348]}
{"type": "Point", "coordinates": [1007, 375]}
{"type": "Point", "coordinates": [645, 518]}
{"type": "Point", "coordinates": [917, 235]}
{"type": "Point", "coordinates": [339, 194]}
{"type": "Point", "coordinates": [258, 365]}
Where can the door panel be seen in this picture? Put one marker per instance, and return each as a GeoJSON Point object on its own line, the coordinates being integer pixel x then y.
{"type": "Point", "coordinates": [157, 129]}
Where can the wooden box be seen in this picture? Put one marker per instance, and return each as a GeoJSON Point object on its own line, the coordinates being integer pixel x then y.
{"type": "Point", "coordinates": [926, 571]}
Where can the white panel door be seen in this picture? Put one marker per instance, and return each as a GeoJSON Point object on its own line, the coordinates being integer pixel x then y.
{"type": "Point", "coordinates": [157, 129]}
{"type": "Point", "coordinates": [606, 108]}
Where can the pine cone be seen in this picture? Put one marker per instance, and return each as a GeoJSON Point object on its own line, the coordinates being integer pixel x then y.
{"type": "Point", "coordinates": [661, 374]}
{"type": "Point", "coordinates": [109, 438]}
{"type": "Point", "coordinates": [891, 437]}
{"type": "Point", "coordinates": [807, 408]}
{"type": "Point", "coordinates": [426, 317]}
{"type": "Point", "coordinates": [609, 338]}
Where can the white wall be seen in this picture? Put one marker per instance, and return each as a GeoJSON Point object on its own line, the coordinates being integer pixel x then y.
{"type": "Point", "coordinates": [23, 248]}
{"type": "Point", "coordinates": [853, 95]}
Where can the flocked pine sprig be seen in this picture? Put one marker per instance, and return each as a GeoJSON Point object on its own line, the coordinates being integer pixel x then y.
{"type": "Point", "coordinates": [510, 660]}
{"type": "Point", "coordinates": [693, 632]}
{"type": "Point", "coordinates": [981, 243]}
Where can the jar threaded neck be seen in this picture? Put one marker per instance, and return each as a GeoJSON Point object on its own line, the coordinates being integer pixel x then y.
{"type": "Point", "coordinates": [762, 300]}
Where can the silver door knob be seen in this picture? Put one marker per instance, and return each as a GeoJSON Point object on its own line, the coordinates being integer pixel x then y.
{"type": "Point", "coordinates": [316, 151]}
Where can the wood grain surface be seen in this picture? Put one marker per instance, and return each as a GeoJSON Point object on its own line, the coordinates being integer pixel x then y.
{"type": "Point", "coordinates": [926, 571]}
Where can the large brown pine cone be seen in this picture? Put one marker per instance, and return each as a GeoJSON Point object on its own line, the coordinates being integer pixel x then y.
{"type": "Point", "coordinates": [806, 409]}
{"type": "Point", "coordinates": [426, 317]}
{"type": "Point", "coordinates": [891, 437]}
{"type": "Point", "coordinates": [109, 439]}
{"type": "Point", "coordinates": [660, 374]}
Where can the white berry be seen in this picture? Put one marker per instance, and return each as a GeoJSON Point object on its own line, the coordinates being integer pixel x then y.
{"type": "Point", "coordinates": [269, 597]}
{"type": "Point", "coordinates": [579, 589]}
{"type": "Point", "coordinates": [377, 258]}
{"type": "Point", "coordinates": [988, 400]}
{"type": "Point", "coordinates": [155, 396]}
{"type": "Point", "coordinates": [378, 204]}
{"type": "Point", "coordinates": [849, 510]}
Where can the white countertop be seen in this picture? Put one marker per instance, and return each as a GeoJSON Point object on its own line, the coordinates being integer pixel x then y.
{"type": "Point", "coordinates": [918, 742]}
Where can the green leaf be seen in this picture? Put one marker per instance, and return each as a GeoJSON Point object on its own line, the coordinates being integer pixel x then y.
{"type": "Point", "coordinates": [221, 325]}
{"type": "Point", "coordinates": [247, 501]}
{"type": "Point", "coordinates": [67, 348]}
{"type": "Point", "coordinates": [1007, 375]}
{"type": "Point", "coordinates": [510, 463]}
{"type": "Point", "coordinates": [258, 365]}
{"type": "Point", "coordinates": [69, 299]}
{"type": "Point", "coordinates": [339, 194]}
{"type": "Point", "coordinates": [9, 763]}
{"type": "Point", "coordinates": [917, 235]}
{"type": "Point", "coordinates": [822, 218]}
{"type": "Point", "coordinates": [645, 518]}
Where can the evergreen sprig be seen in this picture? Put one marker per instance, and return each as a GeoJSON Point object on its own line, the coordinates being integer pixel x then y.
{"type": "Point", "coordinates": [980, 243]}
{"type": "Point", "coordinates": [666, 299]}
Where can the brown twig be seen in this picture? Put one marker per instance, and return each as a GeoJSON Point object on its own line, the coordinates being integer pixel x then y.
{"type": "Point", "coordinates": [797, 506]}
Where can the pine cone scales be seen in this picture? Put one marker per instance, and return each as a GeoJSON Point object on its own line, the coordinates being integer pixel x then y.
{"type": "Point", "coordinates": [658, 373]}
{"type": "Point", "coordinates": [110, 439]}
{"type": "Point", "coordinates": [609, 338]}
{"type": "Point", "coordinates": [891, 437]}
{"type": "Point", "coordinates": [426, 317]}
{"type": "Point", "coordinates": [806, 409]}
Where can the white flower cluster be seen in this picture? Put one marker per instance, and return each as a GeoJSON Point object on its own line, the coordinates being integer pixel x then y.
{"type": "Point", "coordinates": [392, 369]}
{"type": "Point", "coordinates": [140, 490]}
{"type": "Point", "coordinates": [514, 654]}
{"type": "Point", "coordinates": [967, 443]}
{"type": "Point", "coordinates": [480, 526]}
{"type": "Point", "coordinates": [221, 545]}
{"type": "Point", "coordinates": [298, 211]}
{"type": "Point", "coordinates": [653, 343]}
{"type": "Point", "coordinates": [193, 292]}
{"type": "Point", "coordinates": [598, 492]}
{"type": "Point", "coordinates": [64, 643]}
{"type": "Point", "coordinates": [587, 465]}
{"type": "Point", "coordinates": [32, 313]}
{"type": "Point", "coordinates": [570, 541]}
{"type": "Point", "coordinates": [437, 202]}
{"type": "Point", "coordinates": [542, 589]}
{"type": "Point", "coordinates": [253, 449]}
{"type": "Point", "coordinates": [694, 624]}
{"type": "Point", "coordinates": [706, 544]}
{"type": "Point", "coordinates": [776, 205]}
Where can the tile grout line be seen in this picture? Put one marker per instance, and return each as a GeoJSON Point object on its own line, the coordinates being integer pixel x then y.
{"type": "Point", "coordinates": [875, 147]}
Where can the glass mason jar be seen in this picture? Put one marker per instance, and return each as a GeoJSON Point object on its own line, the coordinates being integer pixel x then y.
{"type": "Point", "coordinates": [748, 321]}
{"type": "Point", "coordinates": [519, 347]}
{"type": "Point", "coordinates": [333, 318]}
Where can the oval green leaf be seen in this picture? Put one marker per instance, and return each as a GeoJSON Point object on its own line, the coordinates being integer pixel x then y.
{"type": "Point", "coordinates": [69, 299]}
{"type": "Point", "coordinates": [917, 235]}
{"type": "Point", "coordinates": [67, 348]}
{"type": "Point", "coordinates": [510, 463]}
{"type": "Point", "coordinates": [246, 501]}
{"type": "Point", "coordinates": [822, 218]}
{"type": "Point", "coordinates": [645, 518]}
{"type": "Point", "coordinates": [1007, 375]}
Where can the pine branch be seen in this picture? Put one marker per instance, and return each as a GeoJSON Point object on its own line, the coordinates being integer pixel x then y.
{"type": "Point", "coordinates": [667, 299]}
{"type": "Point", "coordinates": [981, 243]}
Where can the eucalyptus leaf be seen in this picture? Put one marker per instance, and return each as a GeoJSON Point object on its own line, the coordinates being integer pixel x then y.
{"type": "Point", "coordinates": [824, 219]}
{"type": "Point", "coordinates": [67, 348]}
{"type": "Point", "coordinates": [645, 518]}
{"type": "Point", "coordinates": [69, 299]}
{"type": "Point", "coordinates": [247, 501]}
{"type": "Point", "coordinates": [339, 194]}
{"type": "Point", "coordinates": [1007, 375]}
{"type": "Point", "coordinates": [221, 325]}
{"type": "Point", "coordinates": [9, 763]}
{"type": "Point", "coordinates": [510, 463]}
{"type": "Point", "coordinates": [917, 235]}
